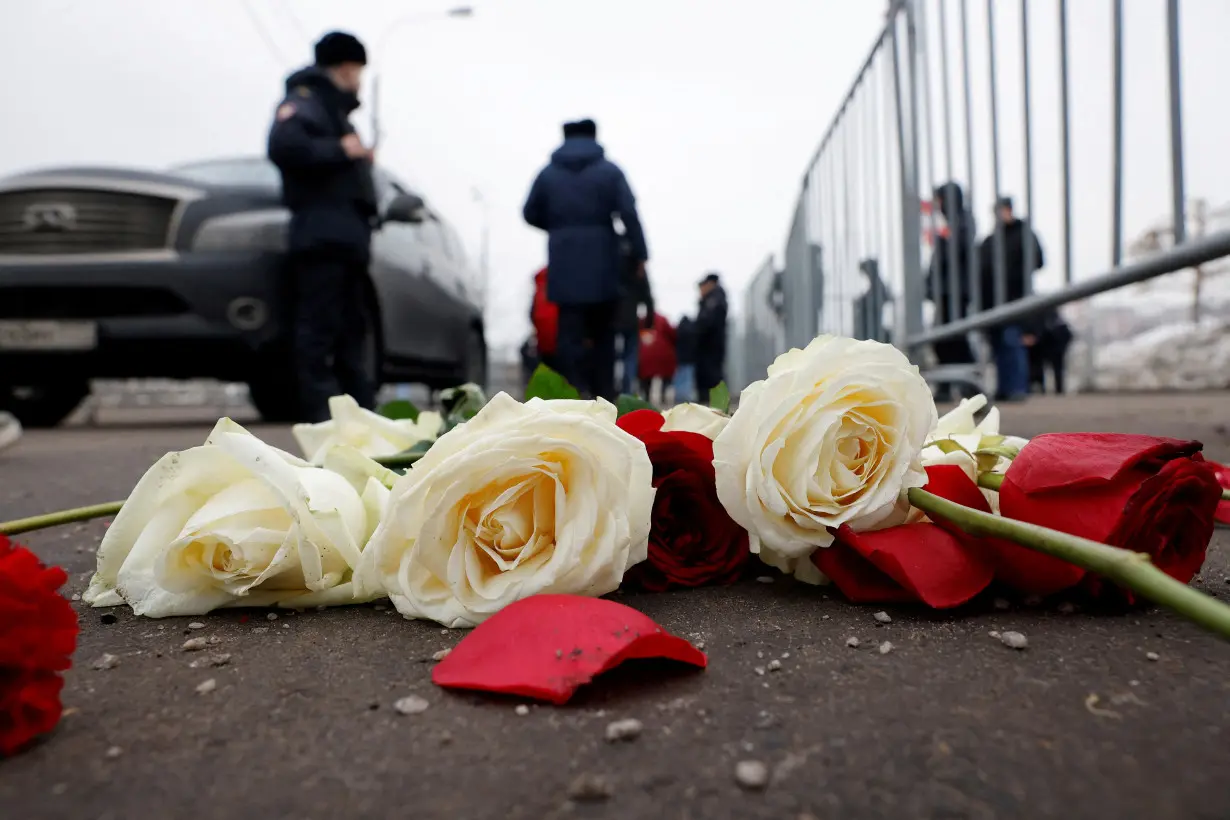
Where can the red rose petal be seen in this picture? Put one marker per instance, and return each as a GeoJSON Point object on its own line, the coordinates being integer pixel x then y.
{"type": "Point", "coordinates": [924, 561]}
{"type": "Point", "coordinates": [1223, 507]}
{"type": "Point", "coordinates": [1055, 460]}
{"type": "Point", "coordinates": [547, 646]}
{"type": "Point", "coordinates": [640, 423]}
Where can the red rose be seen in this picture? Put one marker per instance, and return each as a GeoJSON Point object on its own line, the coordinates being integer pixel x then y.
{"type": "Point", "coordinates": [929, 562]}
{"type": "Point", "coordinates": [38, 632]}
{"type": "Point", "coordinates": [1143, 493]}
{"type": "Point", "coordinates": [693, 541]}
{"type": "Point", "coordinates": [1223, 507]}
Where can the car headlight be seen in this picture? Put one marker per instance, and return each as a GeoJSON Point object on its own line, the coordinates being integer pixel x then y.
{"type": "Point", "coordinates": [248, 231]}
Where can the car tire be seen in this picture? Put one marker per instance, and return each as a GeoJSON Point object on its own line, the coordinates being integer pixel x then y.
{"type": "Point", "coordinates": [44, 405]}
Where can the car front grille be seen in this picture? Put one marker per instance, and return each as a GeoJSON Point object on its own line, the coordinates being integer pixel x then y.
{"type": "Point", "coordinates": [75, 220]}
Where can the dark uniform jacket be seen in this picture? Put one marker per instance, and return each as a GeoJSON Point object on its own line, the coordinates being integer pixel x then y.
{"type": "Point", "coordinates": [1015, 274]}
{"type": "Point", "coordinates": [331, 197]}
{"type": "Point", "coordinates": [711, 330]}
{"type": "Point", "coordinates": [574, 199]}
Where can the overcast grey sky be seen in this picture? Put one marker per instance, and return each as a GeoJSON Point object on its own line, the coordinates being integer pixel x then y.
{"type": "Point", "coordinates": [711, 108]}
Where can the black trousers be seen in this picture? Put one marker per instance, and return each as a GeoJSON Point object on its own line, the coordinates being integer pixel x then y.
{"type": "Point", "coordinates": [331, 332]}
{"type": "Point", "coordinates": [708, 374]}
{"type": "Point", "coordinates": [585, 348]}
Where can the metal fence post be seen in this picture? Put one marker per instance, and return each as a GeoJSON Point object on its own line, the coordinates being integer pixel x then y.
{"type": "Point", "coordinates": [909, 308]}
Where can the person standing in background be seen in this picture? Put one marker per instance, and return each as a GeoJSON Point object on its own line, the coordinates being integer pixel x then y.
{"type": "Point", "coordinates": [575, 199]}
{"type": "Point", "coordinates": [327, 185]}
{"type": "Point", "coordinates": [635, 293]}
{"type": "Point", "coordinates": [1007, 341]}
{"type": "Point", "coordinates": [710, 336]}
{"type": "Point", "coordinates": [658, 362]}
{"type": "Point", "coordinates": [1047, 339]}
{"type": "Point", "coordinates": [544, 315]}
{"type": "Point", "coordinates": [954, 245]}
{"type": "Point", "coordinates": [685, 360]}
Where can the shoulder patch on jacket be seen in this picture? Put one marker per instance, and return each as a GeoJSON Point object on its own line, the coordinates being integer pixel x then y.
{"type": "Point", "coordinates": [285, 112]}
{"type": "Point", "coordinates": [303, 91]}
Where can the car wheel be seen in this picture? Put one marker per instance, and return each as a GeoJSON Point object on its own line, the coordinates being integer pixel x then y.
{"type": "Point", "coordinates": [476, 358]}
{"type": "Point", "coordinates": [44, 405]}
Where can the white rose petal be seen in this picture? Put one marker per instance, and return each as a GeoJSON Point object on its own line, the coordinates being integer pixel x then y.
{"type": "Point", "coordinates": [541, 497]}
{"type": "Point", "coordinates": [236, 522]}
{"type": "Point", "coordinates": [370, 433]}
{"type": "Point", "coordinates": [695, 418]}
{"type": "Point", "coordinates": [832, 436]}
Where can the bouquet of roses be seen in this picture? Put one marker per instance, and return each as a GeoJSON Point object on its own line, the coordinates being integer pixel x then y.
{"type": "Point", "coordinates": [835, 468]}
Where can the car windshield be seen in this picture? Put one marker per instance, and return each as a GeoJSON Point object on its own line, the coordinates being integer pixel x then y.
{"type": "Point", "coordinates": [255, 171]}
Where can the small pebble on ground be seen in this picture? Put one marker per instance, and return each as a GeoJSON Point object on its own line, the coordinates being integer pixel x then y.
{"type": "Point", "coordinates": [589, 788]}
{"type": "Point", "coordinates": [522, 709]}
{"type": "Point", "coordinates": [1014, 640]}
{"type": "Point", "coordinates": [114, 752]}
{"type": "Point", "coordinates": [751, 774]}
{"type": "Point", "coordinates": [1153, 656]}
{"type": "Point", "coordinates": [196, 625]}
{"type": "Point", "coordinates": [759, 670]}
{"type": "Point", "coordinates": [764, 579]}
{"type": "Point", "coordinates": [441, 655]}
{"type": "Point", "coordinates": [883, 617]}
{"type": "Point", "coordinates": [994, 634]}
{"type": "Point", "coordinates": [853, 643]}
{"type": "Point", "coordinates": [886, 647]}
{"type": "Point", "coordinates": [272, 616]}
{"type": "Point", "coordinates": [775, 665]}
{"type": "Point", "coordinates": [626, 729]}
{"type": "Point", "coordinates": [106, 661]}
{"type": "Point", "coordinates": [411, 705]}
{"type": "Point", "coordinates": [194, 644]}
{"type": "Point", "coordinates": [205, 687]}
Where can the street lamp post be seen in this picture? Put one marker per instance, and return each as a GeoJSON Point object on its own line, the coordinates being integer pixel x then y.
{"type": "Point", "coordinates": [457, 12]}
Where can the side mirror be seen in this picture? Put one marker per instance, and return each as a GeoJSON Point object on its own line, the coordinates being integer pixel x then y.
{"type": "Point", "coordinates": [406, 208]}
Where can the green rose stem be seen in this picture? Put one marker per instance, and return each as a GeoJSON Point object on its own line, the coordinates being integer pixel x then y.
{"type": "Point", "coordinates": [1129, 569]}
{"type": "Point", "coordinates": [55, 519]}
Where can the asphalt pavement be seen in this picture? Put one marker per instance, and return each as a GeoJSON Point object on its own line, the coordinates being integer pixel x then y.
{"type": "Point", "coordinates": [950, 723]}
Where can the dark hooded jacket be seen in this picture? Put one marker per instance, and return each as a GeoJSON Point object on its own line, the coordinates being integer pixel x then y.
{"type": "Point", "coordinates": [959, 238]}
{"type": "Point", "coordinates": [1014, 236]}
{"type": "Point", "coordinates": [331, 197]}
{"type": "Point", "coordinates": [574, 199]}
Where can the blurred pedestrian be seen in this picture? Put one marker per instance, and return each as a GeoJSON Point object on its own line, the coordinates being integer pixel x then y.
{"type": "Point", "coordinates": [327, 185]}
{"type": "Point", "coordinates": [710, 336]}
{"type": "Point", "coordinates": [10, 429]}
{"type": "Point", "coordinates": [544, 315]}
{"type": "Point", "coordinates": [529, 359]}
{"type": "Point", "coordinates": [1047, 339]}
{"type": "Point", "coordinates": [635, 297]}
{"type": "Point", "coordinates": [575, 200]}
{"type": "Point", "coordinates": [658, 361]}
{"type": "Point", "coordinates": [685, 360]}
{"type": "Point", "coordinates": [952, 254]}
{"type": "Point", "coordinates": [1007, 340]}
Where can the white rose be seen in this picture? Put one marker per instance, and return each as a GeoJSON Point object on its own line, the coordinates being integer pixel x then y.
{"type": "Point", "coordinates": [370, 433]}
{"type": "Point", "coordinates": [695, 418]}
{"type": "Point", "coordinates": [832, 436]}
{"type": "Point", "coordinates": [957, 438]}
{"type": "Point", "coordinates": [541, 497]}
{"type": "Point", "coordinates": [237, 522]}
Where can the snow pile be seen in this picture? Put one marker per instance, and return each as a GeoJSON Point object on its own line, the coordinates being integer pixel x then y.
{"type": "Point", "coordinates": [1176, 356]}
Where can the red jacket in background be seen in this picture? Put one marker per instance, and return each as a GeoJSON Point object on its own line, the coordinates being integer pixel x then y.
{"type": "Point", "coordinates": [657, 355]}
{"type": "Point", "coordinates": [545, 315]}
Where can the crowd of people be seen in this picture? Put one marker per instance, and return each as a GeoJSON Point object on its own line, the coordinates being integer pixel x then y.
{"type": "Point", "coordinates": [593, 311]}
{"type": "Point", "coordinates": [1024, 351]}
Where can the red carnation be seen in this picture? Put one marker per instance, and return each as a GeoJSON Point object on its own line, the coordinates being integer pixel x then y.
{"type": "Point", "coordinates": [38, 632]}
{"type": "Point", "coordinates": [1147, 494]}
{"type": "Point", "coordinates": [693, 540]}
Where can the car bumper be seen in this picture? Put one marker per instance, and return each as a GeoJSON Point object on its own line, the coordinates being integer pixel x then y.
{"type": "Point", "coordinates": [178, 316]}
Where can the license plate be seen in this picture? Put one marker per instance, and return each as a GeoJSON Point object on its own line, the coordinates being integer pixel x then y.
{"type": "Point", "coordinates": [48, 335]}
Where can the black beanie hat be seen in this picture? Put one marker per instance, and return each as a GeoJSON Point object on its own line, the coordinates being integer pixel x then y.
{"type": "Point", "coordinates": [581, 128]}
{"type": "Point", "coordinates": [338, 47]}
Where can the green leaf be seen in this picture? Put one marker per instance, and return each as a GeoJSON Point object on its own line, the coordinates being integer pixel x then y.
{"type": "Point", "coordinates": [399, 409]}
{"type": "Point", "coordinates": [547, 384]}
{"type": "Point", "coordinates": [947, 445]}
{"type": "Point", "coordinates": [719, 398]}
{"type": "Point", "coordinates": [627, 403]}
{"type": "Point", "coordinates": [405, 458]}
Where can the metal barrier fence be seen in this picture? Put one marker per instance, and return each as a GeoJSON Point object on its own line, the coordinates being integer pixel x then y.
{"type": "Point", "coordinates": [871, 253]}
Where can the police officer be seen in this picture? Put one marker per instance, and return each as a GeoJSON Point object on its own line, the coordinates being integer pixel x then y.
{"type": "Point", "coordinates": [710, 336]}
{"type": "Point", "coordinates": [327, 184]}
